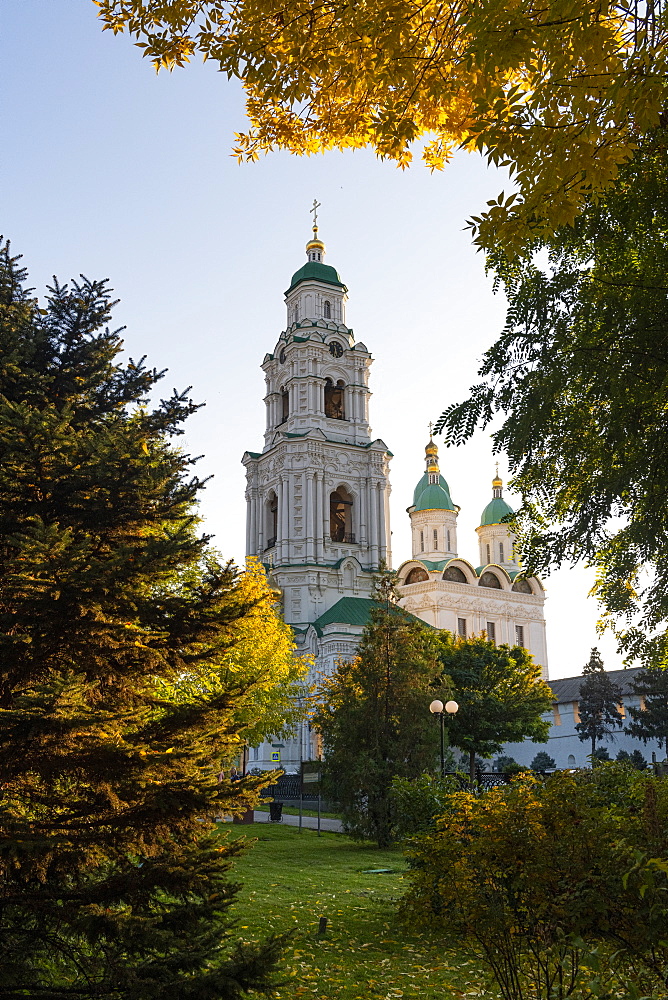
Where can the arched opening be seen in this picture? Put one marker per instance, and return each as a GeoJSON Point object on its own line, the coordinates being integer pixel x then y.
{"type": "Point", "coordinates": [490, 580]}
{"type": "Point", "coordinates": [272, 520]}
{"type": "Point", "coordinates": [417, 575]}
{"type": "Point", "coordinates": [285, 405]}
{"type": "Point", "coordinates": [522, 587]}
{"type": "Point", "coordinates": [341, 516]}
{"type": "Point", "coordinates": [454, 574]}
{"type": "Point", "coordinates": [334, 400]}
{"type": "Point", "coordinates": [327, 310]}
{"type": "Point", "coordinates": [571, 760]}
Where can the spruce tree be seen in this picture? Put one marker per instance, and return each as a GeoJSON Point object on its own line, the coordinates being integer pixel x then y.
{"type": "Point", "coordinates": [114, 882]}
{"type": "Point", "coordinates": [650, 722]}
{"type": "Point", "coordinates": [598, 704]}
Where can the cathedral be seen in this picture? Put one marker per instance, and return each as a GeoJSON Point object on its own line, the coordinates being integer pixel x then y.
{"type": "Point", "coordinates": [318, 512]}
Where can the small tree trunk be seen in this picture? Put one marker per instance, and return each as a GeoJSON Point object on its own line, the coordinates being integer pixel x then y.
{"type": "Point", "coordinates": [472, 768]}
{"type": "Point", "coordinates": [593, 748]}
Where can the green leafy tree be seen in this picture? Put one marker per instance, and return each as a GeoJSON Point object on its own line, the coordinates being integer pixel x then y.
{"type": "Point", "coordinates": [601, 755]}
{"type": "Point", "coordinates": [598, 704]}
{"type": "Point", "coordinates": [578, 376]}
{"type": "Point", "coordinates": [650, 722]}
{"type": "Point", "coordinates": [113, 881]}
{"type": "Point", "coordinates": [500, 694]}
{"type": "Point", "coordinates": [373, 716]}
{"type": "Point", "coordinates": [542, 762]}
{"type": "Point", "coordinates": [417, 802]}
{"type": "Point", "coordinates": [557, 91]}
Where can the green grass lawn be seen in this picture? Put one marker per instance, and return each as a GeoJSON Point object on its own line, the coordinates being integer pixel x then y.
{"type": "Point", "coordinates": [291, 879]}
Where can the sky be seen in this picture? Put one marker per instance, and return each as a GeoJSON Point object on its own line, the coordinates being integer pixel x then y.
{"type": "Point", "coordinates": [111, 170]}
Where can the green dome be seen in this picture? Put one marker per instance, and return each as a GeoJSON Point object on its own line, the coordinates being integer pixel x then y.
{"type": "Point", "coordinates": [495, 511]}
{"type": "Point", "coordinates": [434, 496]}
{"type": "Point", "coordinates": [316, 271]}
{"type": "Point", "coordinates": [422, 486]}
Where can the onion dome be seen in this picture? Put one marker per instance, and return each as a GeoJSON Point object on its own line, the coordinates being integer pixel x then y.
{"type": "Point", "coordinates": [314, 268]}
{"type": "Point", "coordinates": [497, 508]}
{"type": "Point", "coordinates": [432, 492]}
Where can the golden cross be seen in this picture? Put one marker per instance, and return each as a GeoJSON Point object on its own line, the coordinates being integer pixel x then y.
{"type": "Point", "coordinates": [316, 206]}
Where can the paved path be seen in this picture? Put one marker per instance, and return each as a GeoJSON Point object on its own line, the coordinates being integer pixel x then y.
{"type": "Point", "coordinates": [333, 825]}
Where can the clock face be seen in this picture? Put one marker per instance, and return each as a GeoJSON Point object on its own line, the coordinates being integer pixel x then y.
{"type": "Point", "coordinates": [281, 357]}
{"type": "Point", "coordinates": [335, 349]}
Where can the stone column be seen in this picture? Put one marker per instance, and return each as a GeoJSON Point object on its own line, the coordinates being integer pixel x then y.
{"type": "Point", "coordinates": [382, 524]}
{"type": "Point", "coordinates": [373, 531]}
{"type": "Point", "coordinates": [317, 528]}
{"type": "Point", "coordinates": [285, 518]}
{"type": "Point", "coordinates": [309, 502]}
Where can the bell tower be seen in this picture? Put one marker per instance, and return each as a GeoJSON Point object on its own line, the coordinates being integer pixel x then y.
{"type": "Point", "coordinates": [318, 493]}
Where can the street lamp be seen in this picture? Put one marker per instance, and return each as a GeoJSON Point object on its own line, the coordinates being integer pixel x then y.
{"type": "Point", "coordinates": [438, 708]}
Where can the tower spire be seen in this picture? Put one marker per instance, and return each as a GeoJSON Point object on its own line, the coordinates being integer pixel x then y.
{"type": "Point", "coordinates": [315, 248]}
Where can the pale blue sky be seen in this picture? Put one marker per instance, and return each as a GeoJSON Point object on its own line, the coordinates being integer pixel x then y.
{"type": "Point", "coordinates": [110, 170]}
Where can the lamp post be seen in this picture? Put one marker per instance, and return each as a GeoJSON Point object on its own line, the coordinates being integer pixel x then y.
{"type": "Point", "coordinates": [438, 708]}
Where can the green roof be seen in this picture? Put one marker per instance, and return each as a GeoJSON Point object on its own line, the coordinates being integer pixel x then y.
{"type": "Point", "coordinates": [355, 611]}
{"type": "Point", "coordinates": [434, 497]}
{"type": "Point", "coordinates": [316, 272]}
{"type": "Point", "coordinates": [436, 566]}
{"type": "Point", "coordinates": [347, 610]}
{"type": "Point", "coordinates": [495, 511]}
{"type": "Point", "coordinates": [424, 485]}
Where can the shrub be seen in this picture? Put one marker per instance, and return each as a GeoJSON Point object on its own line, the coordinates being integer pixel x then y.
{"type": "Point", "coordinates": [542, 762]}
{"type": "Point", "coordinates": [541, 875]}
{"type": "Point", "coordinates": [416, 802]}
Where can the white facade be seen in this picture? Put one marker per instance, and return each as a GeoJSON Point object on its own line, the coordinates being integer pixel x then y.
{"type": "Point", "coordinates": [446, 590]}
{"type": "Point", "coordinates": [318, 493]}
{"type": "Point", "coordinates": [318, 506]}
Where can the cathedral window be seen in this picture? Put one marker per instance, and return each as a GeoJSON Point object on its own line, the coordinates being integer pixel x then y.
{"type": "Point", "coordinates": [490, 580]}
{"type": "Point", "coordinates": [519, 635]}
{"type": "Point", "coordinates": [341, 516]}
{"type": "Point", "coordinates": [454, 574]}
{"type": "Point", "coordinates": [522, 587]}
{"type": "Point", "coordinates": [435, 538]}
{"type": "Point", "coordinates": [491, 631]}
{"type": "Point", "coordinates": [449, 547]}
{"type": "Point", "coordinates": [334, 400]}
{"type": "Point", "coordinates": [461, 628]}
{"type": "Point", "coordinates": [285, 405]}
{"type": "Point", "coordinates": [422, 541]}
{"type": "Point", "coordinates": [327, 310]}
{"type": "Point", "coordinates": [501, 552]}
{"type": "Point", "coordinates": [489, 556]}
{"type": "Point", "coordinates": [417, 575]}
{"type": "Point", "coordinates": [272, 520]}
{"type": "Point", "coordinates": [433, 478]}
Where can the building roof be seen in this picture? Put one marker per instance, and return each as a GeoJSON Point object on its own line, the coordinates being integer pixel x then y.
{"type": "Point", "coordinates": [316, 271]}
{"type": "Point", "coordinates": [356, 611]}
{"type": "Point", "coordinates": [432, 496]}
{"type": "Point", "coordinates": [347, 611]}
{"type": "Point", "coordinates": [495, 511]}
{"type": "Point", "coordinates": [567, 689]}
